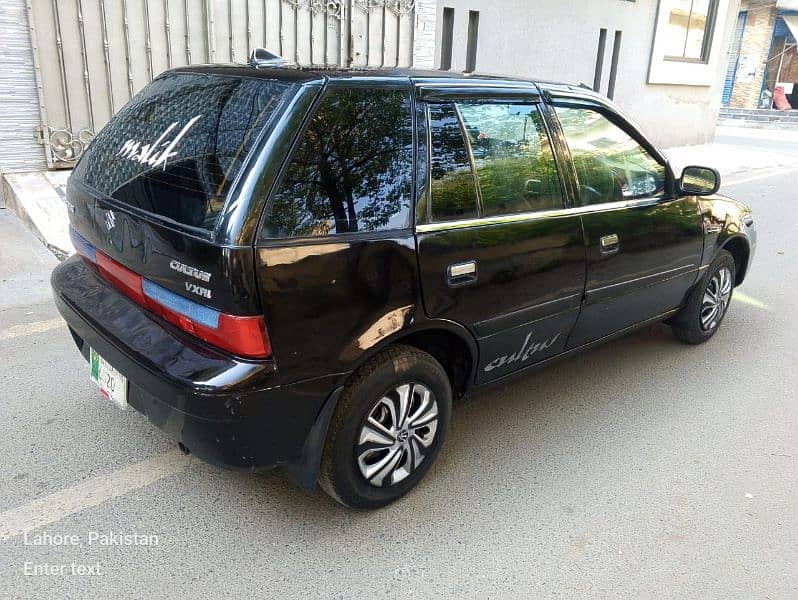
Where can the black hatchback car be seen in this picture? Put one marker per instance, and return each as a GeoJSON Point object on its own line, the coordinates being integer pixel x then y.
{"type": "Point", "coordinates": [301, 268]}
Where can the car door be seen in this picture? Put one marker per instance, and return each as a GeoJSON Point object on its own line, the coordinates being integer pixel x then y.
{"type": "Point", "coordinates": [497, 252]}
{"type": "Point", "coordinates": [643, 243]}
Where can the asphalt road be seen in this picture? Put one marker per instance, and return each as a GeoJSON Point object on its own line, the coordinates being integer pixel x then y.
{"type": "Point", "coordinates": [641, 469]}
{"type": "Point", "coordinates": [770, 140]}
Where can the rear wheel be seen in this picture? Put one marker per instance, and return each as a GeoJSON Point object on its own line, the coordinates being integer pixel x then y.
{"type": "Point", "coordinates": [707, 305]}
{"type": "Point", "coordinates": [387, 429]}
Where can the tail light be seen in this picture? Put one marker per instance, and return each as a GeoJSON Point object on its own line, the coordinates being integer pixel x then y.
{"type": "Point", "coordinates": [242, 335]}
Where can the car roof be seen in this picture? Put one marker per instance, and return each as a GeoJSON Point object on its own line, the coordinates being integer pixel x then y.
{"type": "Point", "coordinates": [300, 74]}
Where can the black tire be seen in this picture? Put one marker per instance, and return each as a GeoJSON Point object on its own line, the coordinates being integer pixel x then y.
{"type": "Point", "coordinates": [382, 376]}
{"type": "Point", "coordinates": [687, 324]}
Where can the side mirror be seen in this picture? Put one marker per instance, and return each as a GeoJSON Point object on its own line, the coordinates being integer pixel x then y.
{"type": "Point", "coordinates": [699, 181]}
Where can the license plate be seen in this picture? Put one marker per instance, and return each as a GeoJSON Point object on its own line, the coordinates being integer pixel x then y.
{"type": "Point", "coordinates": [112, 384]}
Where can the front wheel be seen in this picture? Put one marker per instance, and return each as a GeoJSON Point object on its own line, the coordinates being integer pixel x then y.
{"type": "Point", "coordinates": [707, 305]}
{"type": "Point", "coordinates": [387, 428]}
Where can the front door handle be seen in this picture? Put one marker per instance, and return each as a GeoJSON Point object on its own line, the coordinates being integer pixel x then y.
{"type": "Point", "coordinates": [609, 244]}
{"type": "Point", "coordinates": [461, 273]}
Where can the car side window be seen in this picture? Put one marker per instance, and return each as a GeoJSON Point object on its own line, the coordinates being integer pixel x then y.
{"type": "Point", "coordinates": [610, 165]}
{"type": "Point", "coordinates": [352, 167]}
{"type": "Point", "coordinates": [515, 165]}
{"type": "Point", "coordinates": [452, 192]}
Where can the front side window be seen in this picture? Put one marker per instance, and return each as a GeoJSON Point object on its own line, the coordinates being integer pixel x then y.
{"type": "Point", "coordinates": [610, 165]}
{"type": "Point", "coordinates": [689, 31]}
{"type": "Point", "coordinates": [352, 168]}
{"type": "Point", "coordinates": [515, 164]}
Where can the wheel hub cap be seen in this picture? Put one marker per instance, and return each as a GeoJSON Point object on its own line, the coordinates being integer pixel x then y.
{"type": "Point", "coordinates": [397, 434]}
{"type": "Point", "coordinates": [716, 299]}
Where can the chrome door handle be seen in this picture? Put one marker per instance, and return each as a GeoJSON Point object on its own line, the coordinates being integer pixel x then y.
{"type": "Point", "coordinates": [462, 273]}
{"type": "Point", "coordinates": [609, 244]}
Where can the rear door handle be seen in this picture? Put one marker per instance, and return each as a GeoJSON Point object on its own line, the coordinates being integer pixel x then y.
{"type": "Point", "coordinates": [461, 273]}
{"type": "Point", "coordinates": [609, 244]}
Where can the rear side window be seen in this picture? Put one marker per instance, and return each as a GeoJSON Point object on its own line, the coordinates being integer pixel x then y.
{"type": "Point", "coordinates": [352, 168]}
{"type": "Point", "coordinates": [452, 192]}
{"type": "Point", "coordinates": [177, 146]}
{"type": "Point", "coordinates": [513, 157]}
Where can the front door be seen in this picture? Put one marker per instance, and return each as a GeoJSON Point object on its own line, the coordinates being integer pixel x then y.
{"type": "Point", "coordinates": [496, 251]}
{"type": "Point", "coordinates": [643, 245]}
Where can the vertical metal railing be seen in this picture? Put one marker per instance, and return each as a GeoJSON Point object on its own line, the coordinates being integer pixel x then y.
{"type": "Point", "coordinates": [148, 40]}
{"type": "Point", "coordinates": [210, 43]}
{"type": "Point", "coordinates": [85, 64]}
{"type": "Point", "coordinates": [230, 30]}
{"type": "Point", "coordinates": [59, 42]}
{"type": "Point", "coordinates": [126, 33]}
{"type": "Point", "coordinates": [167, 31]}
{"type": "Point", "coordinates": [187, 21]}
{"type": "Point", "coordinates": [109, 81]}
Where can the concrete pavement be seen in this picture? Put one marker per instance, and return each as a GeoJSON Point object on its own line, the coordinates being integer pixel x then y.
{"type": "Point", "coordinates": [25, 265]}
{"type": "Point", "coordinates": [644, 469]}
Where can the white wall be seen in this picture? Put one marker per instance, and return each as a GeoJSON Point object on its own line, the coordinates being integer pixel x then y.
{"type": "Point", "coordinates": [558, 40]}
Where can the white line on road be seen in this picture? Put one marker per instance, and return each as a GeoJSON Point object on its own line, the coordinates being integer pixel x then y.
{"type": "Point", "coordinates": [30, 328]}
{"type": "Point", "coordinates": [93, 492]}
{"type": "Point", "coordinates": [770, 173]}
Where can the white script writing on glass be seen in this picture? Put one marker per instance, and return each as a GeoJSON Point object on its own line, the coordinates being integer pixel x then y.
{"type": "Point", "coordinates": [160, 150]}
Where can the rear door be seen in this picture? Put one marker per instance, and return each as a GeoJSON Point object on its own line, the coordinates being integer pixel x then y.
{"type": "Point", "coordinates": [497, 251]}
{"type": "Point", "coordinates": [643, 243]}
{"type": "Point", "coordinates": [335, 257]}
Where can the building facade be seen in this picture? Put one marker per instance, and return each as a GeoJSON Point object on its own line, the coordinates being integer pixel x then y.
{"type": "Point", "coordinates": [763, 55]}
{"type": "Point", "coordinates": [663, 61]}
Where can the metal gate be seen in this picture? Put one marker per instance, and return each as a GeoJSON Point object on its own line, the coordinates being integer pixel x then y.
{"type": "Point", "coordinates": [734, 58]}
{"type": "Point", "coordinates": [92, 56]}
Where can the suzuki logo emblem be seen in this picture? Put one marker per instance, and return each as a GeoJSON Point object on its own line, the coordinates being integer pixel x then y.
{"type": "Point", "coordinates": [110, 220]}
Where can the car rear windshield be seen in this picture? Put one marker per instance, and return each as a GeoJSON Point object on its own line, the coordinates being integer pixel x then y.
{"type": "Point", "coordinates": [177, 146]}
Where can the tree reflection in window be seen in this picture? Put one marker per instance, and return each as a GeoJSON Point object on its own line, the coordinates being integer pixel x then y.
{"type": "Point", "coordinates": [514, 160]}
{"type": "Point", "coordinates": [452, 182]}
{"type": "Point", "coordinates": [352, 169]}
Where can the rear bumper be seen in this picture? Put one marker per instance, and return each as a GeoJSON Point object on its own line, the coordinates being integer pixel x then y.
{"type": "Point", "coordinates": [225, 410]}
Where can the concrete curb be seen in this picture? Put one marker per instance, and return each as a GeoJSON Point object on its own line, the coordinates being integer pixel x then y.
{"type": "Point", "coordinates": [35, 199]}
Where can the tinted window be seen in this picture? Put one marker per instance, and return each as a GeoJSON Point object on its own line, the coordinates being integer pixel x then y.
{"type": "Point", "coordinates": [422, 164]}
{"type": "Point", "coordinates": [176, 147]}
{"type": "Point", "coordinates": [610, 165]}
{"type": "Point", "coordinates": [452, 183]}
{"type": "Point", "coordinates": [514, 160]}
{"type": "Point", "coordinates": [352, 168]}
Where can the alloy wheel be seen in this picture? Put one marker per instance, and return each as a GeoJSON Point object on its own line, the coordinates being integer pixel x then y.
{"type": "Point", "coordinates": [716, 299]}
{"type": "Point", "coordinates": [397, 434]}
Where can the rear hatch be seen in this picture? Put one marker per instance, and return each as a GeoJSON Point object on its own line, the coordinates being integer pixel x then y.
{"type": "Point", "coordinates": [147, 198]}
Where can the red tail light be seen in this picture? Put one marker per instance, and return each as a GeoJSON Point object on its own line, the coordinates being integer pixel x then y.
{"type": "Point", "coordinates": [244, 336]}
{"type": "Point", "coordinates": [125, 280]}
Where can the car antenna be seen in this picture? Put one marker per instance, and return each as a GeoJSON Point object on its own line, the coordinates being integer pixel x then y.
{"type": "Point", "coordinates": [260, 57]}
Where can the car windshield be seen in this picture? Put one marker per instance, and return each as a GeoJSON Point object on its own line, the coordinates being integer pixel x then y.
{"type": "Point", "coordinates": [176, 147]}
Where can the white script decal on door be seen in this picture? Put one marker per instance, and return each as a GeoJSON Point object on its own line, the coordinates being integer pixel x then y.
{"type": "Point", "coordinates": [149, 153]}
{"type": "Point", "coordinates": [526, 351]}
